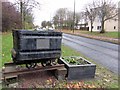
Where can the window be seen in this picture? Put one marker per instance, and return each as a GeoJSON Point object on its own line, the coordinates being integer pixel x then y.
{"type": "Point", "coordinates": [92, 27]}
{"type": "Point", "coordinates": [98, 27]}
{"type": "Point", "coordinates": [114, 27]}
{"type": "Point", "coordinates": [115, 19]}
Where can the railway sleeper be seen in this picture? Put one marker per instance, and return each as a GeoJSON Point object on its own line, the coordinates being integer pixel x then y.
{"type": "Point", "coordinates": [10, 81]}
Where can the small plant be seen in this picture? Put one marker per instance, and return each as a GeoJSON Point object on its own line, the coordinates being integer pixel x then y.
{"type": "Point", "coordinates": [75, 60]}
{"type": "Point", "coordinates": [71, 60]}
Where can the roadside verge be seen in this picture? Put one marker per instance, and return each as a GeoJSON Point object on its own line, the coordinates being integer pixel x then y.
{"type": "Point", "coordinates": [105, 39]}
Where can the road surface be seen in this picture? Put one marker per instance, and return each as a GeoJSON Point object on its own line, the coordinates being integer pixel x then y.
{"type": "Point", "coordinates": [103, 53]}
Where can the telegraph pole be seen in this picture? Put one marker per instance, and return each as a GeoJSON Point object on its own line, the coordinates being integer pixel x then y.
{"type": "Point", "coordinates": [74, 18]}
{"type": "Point", "coordinates": [21, 11]}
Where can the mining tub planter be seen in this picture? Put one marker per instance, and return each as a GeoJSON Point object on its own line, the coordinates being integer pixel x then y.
{"type": "Point", "coordinates": [79, 72]}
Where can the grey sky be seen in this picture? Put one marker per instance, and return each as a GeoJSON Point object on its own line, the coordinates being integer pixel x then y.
{"type": "Point", "coordinates": [49, 7]}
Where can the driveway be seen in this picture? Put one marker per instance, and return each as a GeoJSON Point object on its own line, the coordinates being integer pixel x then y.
{"type": "Point", "coordinates": [103, 53]}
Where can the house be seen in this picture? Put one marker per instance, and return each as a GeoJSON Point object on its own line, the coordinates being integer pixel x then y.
{"type": "Point", "coordinates": [82, 25]}
{"type": "Point", "coordinates": [110, 25]}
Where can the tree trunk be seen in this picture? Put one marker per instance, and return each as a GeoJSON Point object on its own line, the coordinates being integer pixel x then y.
{"type": "Point", "coordinates": [102, 27]}
{"type": "Point", "coordinates": [91, 26]}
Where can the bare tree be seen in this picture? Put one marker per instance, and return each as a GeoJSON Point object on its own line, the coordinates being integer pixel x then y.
{"type": "Point", "coordinates": [56, 21]}
{"type": "Point", "coordinates": [10, 17]}
{"type": "Point", "coordinates": [61, 14]}
{"type": "Point", "coordinates": [83, 16]}
{"type": "Point", "coordinates": [118, 17]}
{"type": "Point", "coordinates": [64, 18]}
{"type": "Point", "coordinates": [26, 7]}
{"type": "Point", "coordinates": [91, 13]}
{"type": "Point", "coordinates": [44, 24]}
{"type": "Point", "coordinates": [105, 10]}
{"type": "Point", "coordinates": [70, 19]}
{"type": "Point", "coordinates": [77, 18]}
{"type": "Point", "coordinates": [49, 24]}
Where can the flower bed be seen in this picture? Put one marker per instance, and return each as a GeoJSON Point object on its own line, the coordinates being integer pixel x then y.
{"type": "Point", "coordinates": [78, 68]}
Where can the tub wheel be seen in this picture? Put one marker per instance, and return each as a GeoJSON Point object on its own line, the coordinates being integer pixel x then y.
{"type": "Point", "coordinates": [47, 63]}
{"type": "Point", "coordinates": [31, 65]}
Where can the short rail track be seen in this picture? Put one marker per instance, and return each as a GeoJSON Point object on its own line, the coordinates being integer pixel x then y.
{"type": "Point", "coordinates": [11, 70]}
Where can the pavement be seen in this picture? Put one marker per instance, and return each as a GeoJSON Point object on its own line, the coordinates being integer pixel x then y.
{"type": "Point", "coordinates": [103, 53]}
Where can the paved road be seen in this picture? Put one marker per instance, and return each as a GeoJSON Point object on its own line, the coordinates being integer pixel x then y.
{"type": "Point", "coordinates": [103, 53]}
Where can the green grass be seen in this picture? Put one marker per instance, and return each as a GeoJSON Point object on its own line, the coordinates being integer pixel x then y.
{"type": "Point", "coordinates": [7, 45]}
{"type": "Point", "coordinates": [94, 33]}
{"type": "Point", "coordinates": [103, 77]}
{"type": "Point", "coordinates": [0, 49]}
{"type": "Point", "coordinates": [106, 34]}
{"type": "Point", "coordinates": [66, 51]}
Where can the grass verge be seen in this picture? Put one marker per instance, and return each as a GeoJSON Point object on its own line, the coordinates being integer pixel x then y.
{"type": "Point", "coordinates": [7, 45]}
{"type": "Point", "coordinates": [108, 36]}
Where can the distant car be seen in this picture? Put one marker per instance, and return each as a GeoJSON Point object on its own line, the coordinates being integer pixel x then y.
{"type": "Point", "coordinates": [39, 29]}
{"type": "Point", "coordinates": [51, 29]}
{"type": "Point", "coordinates": [44, 28]}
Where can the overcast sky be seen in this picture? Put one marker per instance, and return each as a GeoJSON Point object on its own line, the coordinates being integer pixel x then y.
{"type": "Point", "coordinates": [49, 7]}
